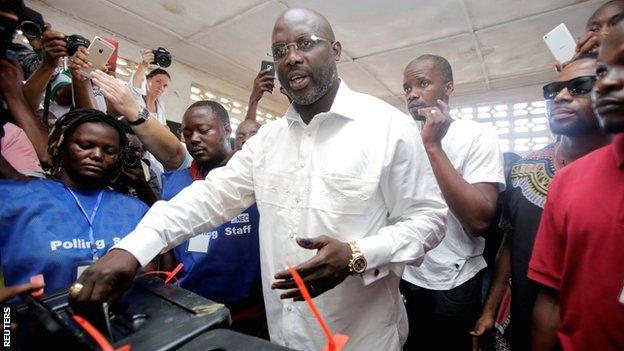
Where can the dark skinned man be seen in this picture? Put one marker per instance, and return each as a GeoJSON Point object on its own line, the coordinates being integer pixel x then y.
{"type": "Point", "coordinates": [245, 130]}
{"type": "Point", "coordinates": [577, 257]}
{"type": "Point", "coordinates": [223, 263]}
{"type": "Point", "coordinates": [598, 26]}
{"type": "Point", "coordinates": [344, 191]}
{"type": "Point", "coordinates": [571, 117]}
{"type": "Point", "coordinates": [443, 294]}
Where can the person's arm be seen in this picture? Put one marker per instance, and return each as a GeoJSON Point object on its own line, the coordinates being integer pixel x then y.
{"type": "Point", "coordinates": [147, 56]}
{"type": "Point", "coordinates": [11, 77]}
{"type": "Point", "coordinates": [500, 282]}
{"type": "Point", "coordinates": [81, 85]}
{"type": "Point", "coordinates": [262, 84]}
{"type": "Point", "coordinates": [547, 268]}
{"type": "Point", "coordinates": [545, 321]}
{"type": "Point", "coordinates": [474, 204]}
{"type": "Point", "coordinates": [224, 193]}
{"type": "Point", "coordinates": [156, 138]}
{"type": "Point", "coordinates": [55, 49]}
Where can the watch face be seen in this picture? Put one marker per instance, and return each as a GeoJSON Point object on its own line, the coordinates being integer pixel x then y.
{"type": "Point", "coordinates": [359, 265]}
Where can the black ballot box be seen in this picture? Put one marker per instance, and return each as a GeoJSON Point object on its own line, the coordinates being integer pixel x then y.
{"type": "Point", "coordinates": [227, 340]}
{"type": "Point", "coordinates": [150, 316]}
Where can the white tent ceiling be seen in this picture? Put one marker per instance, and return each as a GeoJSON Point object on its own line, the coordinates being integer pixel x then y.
{"type": "Point", "coordinates": [494, 46]}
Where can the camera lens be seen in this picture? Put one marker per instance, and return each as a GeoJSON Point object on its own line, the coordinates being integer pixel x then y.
{"type": "Point", "coordinates": [30, 29]}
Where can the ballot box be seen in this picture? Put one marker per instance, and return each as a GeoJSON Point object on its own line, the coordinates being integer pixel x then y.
{"type": "Point", "coordinates": [151, 315]}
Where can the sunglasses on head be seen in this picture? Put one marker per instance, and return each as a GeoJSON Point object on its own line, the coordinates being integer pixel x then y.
{"type": "Point", "coordinates": [577, 86]}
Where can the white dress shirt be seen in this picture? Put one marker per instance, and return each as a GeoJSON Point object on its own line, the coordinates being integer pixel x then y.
{"type": "Point", "coordinates": [357, 173]}
{"type": "Point", "coordinates": [474, 151]}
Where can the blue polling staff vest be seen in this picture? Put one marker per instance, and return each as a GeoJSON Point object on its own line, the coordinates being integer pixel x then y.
{"type": "Point", "coordinates": [43, 231]}
{"type": "Point", "coordinates": [222, 264]}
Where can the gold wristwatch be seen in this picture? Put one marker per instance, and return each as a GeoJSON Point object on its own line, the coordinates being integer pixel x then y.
{"type": "Point", "coordinates": [357, 263]}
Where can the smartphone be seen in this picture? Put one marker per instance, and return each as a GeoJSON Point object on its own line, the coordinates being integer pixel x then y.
{"type": "Point", "coordinates": [561, 43]}
{"type": "Point", "coordinates": [99, 53]}
{"type": "Point", "coordinates": [268, 65]}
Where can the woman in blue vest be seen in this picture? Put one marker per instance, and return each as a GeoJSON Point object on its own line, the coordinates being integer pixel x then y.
{"type": "Point", "coordinates": [57, 227]}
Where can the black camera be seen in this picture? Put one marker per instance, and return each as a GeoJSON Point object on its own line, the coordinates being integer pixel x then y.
{"type": "Point", "coordinates": [31, 24]}
{"type": "Point", "coordinates": [75, 41]}
{"type": "Point", "coordinates": [162, 57]}
{"type": "Point", "coordinates": [131, 160]}
{"type": "Point", "coordinates": [9, 26]}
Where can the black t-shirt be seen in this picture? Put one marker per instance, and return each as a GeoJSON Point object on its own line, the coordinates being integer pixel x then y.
{"type": "Point", "coordinates": [524, 200]}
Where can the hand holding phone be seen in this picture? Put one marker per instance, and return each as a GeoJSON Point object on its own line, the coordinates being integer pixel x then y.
{"type": "Point", "coordinates": [561, 43]}
{"type": "Point", "coordinates": [99, 53]}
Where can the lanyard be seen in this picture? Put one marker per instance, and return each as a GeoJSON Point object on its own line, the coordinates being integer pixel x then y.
{"type": "Point", "coordinates": [89, 219]}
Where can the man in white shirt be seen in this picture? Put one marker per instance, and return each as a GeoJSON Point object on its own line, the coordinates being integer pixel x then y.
{"type": "Point", "coordinates": [443, 294]}
{"type": "Point", "coordinates": [344, 191]}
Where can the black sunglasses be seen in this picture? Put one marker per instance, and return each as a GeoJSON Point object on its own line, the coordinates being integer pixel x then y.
{"type": "Point", "coordinates": [577, 86]}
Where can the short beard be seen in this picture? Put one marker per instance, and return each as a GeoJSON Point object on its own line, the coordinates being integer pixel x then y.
{"type": "Point", "coordinates": [325, 79]}
{"type": "Point", "coordinates": [577, 129]}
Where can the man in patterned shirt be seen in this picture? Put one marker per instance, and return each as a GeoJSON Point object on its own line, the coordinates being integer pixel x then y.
{"type": "Point", "coordinates": [571, 118]}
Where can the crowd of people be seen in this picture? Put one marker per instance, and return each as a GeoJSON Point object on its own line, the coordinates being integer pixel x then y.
{"type": "Point", "coordinates": [411, 232]}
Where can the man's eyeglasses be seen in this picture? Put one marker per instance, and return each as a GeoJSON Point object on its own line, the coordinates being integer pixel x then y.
{"type": "Point", "coordinates": [577, 86]}
{"type": "Point", "coordinates": [304, 43]}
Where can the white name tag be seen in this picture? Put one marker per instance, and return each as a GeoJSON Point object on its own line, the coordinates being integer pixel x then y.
{"type": "Point", "coordinates": [199, 243]}
{"type": "Point", "coordinates": [79, 270]}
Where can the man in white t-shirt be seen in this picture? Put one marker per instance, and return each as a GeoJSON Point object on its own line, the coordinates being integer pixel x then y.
{"type": "Point", "coordinates": [443, 294]}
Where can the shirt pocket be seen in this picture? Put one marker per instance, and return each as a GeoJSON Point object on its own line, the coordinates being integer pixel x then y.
{"type": "Point", "coordinates": [343, 194]}
{"type": "Point", "coordinates": [275, 189]}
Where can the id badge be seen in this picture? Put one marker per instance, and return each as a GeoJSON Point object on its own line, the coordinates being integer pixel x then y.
{"type": "Point", "coordinates": [80, 267]}
{"type": "Point", "coordinates": [199, 243]}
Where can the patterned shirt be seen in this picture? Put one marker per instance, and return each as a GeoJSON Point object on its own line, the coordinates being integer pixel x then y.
{"type": "Point", "coordinates": [522, 209]}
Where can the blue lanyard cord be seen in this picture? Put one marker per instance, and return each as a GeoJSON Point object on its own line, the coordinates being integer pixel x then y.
{"type": "Point", "coordinates": [90, 219]}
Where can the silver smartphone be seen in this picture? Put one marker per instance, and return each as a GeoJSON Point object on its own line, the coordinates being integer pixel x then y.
{"type": "Point", "coordinates": [99, 53]}
{"type": "Point", "coordinates": [561, 43]}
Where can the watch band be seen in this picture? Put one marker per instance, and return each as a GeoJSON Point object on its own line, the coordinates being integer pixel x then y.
{"type": "Point", "coordinates": [357, 263]}
{"type": "Point", "coordinates": [143, 116]}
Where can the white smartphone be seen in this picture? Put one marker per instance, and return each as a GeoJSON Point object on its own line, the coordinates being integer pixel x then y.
{"type": "Point", "coordinates": [561, 43]}
{"type": "Point", "coordinates": [99, 53]}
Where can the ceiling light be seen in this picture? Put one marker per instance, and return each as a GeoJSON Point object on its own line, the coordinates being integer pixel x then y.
{"type": "Point", "coordinates": [224, 100]}
{"type": "Point", "coordinates": [235, 110]}
{"type": "Point", "coordinates": [195, 90]}
{"type": "Point", "coordinates": [236, 104]}
{"type": "Point", "coordinates": [195, 97]}
{"type": "Point", "coordinates": [269, 116]}
{"type": "Point", "coordinates": [121, 62]}
{"type": "Point", "coordinates": [209, 95]}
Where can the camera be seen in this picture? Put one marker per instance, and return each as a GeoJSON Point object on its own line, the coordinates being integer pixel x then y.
{"type": "Point", "coordinates": [31, 24]}
{"type": "Point", "coordinates": [131, 159]}
{"type": "Point", "coordinates": [9, 26]}
{"type": "Point", "coordinates": [162, 57]}
{"type": "Point", "coordinates": [75, 41]}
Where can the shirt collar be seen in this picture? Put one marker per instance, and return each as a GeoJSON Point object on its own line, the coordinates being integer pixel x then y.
{"type": "Point", "coordinates": [341, 105]}
{"type": "Point", "coordinates": [618, 148]}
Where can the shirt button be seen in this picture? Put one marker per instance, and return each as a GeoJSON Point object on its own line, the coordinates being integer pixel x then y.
{"type": "Point", "coordinates": [376, 272]}
{"type": "Point", "coordinates": [301, 165]}
{"type": "Point", "coordinates": [288, 308]}
{"type": "Point", "coordinates": [291, 235]}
